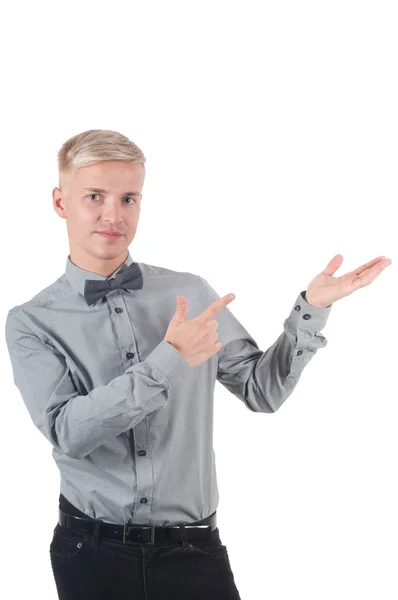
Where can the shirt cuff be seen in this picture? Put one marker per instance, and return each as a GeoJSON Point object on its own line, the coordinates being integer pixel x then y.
{"type": "Point", "coordinates": [307, 317]}
{"type": "Point", "coordinates": [169, 361]}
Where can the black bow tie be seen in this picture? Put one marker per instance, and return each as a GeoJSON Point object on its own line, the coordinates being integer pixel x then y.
{"type": "Point", "coordinates": [130, 278]}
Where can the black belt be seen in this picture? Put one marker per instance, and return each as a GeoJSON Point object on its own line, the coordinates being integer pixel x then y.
{"type": "Point", "coordinates": [140, 534]}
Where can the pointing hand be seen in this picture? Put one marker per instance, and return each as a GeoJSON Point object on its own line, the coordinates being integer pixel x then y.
{"type": "Point", "coordinates": [196, 339]}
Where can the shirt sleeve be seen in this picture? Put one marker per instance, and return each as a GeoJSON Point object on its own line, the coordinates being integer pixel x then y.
{"type": "Point", "coordinates": [264, 380]}
{"type": "Point", "coordinates": [77, 424]}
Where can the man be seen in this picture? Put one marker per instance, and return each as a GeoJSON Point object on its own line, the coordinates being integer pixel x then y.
{"type": "Point", "coordinates": [116, 362]}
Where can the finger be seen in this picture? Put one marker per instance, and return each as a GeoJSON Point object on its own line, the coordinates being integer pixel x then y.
{"type": "Point", "coordinates": [363, 268]}
{"type": "Point", "coordinates": [212, 324]}
{"type": "Point", "coordinates": [368, 276]}
{"type": "Point", "coordinates": [215, 308]}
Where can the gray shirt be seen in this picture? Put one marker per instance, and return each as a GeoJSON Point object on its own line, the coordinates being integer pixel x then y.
{"type": "Point", "coordinates": [130, 422]}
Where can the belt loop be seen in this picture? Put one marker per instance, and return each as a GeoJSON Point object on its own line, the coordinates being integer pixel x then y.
{"type": "Point", "coordinates": [95, 536]}
{"type": "Point", "coordinates": [184, 537]}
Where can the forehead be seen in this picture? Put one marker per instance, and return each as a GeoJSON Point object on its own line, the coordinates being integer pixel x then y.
{"type": "Point", "coordinates": [111, 176]}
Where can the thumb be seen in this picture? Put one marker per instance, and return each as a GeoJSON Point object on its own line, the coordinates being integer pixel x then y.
{"type": "Point", "coordinates": [181, 310]}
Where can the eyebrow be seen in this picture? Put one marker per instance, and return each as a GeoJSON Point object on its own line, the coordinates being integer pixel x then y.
{"type": "Point", "coordinates": [102, 191]}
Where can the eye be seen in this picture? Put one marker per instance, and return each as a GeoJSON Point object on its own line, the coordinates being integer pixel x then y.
{"type": "Point", "coordinates": [131, 197]}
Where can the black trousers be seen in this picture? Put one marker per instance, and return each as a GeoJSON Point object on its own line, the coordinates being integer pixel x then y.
{"type": "Point", "coordinates": [111, 570]}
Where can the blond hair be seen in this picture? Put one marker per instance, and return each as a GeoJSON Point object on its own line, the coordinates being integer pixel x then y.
{"type": "Point", "coordinates": [92, 146]}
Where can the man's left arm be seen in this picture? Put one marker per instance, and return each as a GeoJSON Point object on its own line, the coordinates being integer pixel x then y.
{"type": "Point", "coordinates": [264, 380]}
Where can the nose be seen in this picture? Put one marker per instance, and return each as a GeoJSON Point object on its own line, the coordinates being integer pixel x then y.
{"type": "Point", "coordinates": [112, 213]}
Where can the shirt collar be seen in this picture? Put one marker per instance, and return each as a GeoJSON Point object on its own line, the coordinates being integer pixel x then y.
{"type": "Point", "coordinates": [77, 276]}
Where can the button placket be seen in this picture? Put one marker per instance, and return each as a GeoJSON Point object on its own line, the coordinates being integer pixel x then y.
{"type": "Point", "coordinates": [125, 331]}
{"type": "Point", "coordinates": [143, 470]}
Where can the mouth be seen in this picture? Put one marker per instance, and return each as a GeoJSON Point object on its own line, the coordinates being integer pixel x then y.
{"type": "Point", "coordinates": [113, 236]}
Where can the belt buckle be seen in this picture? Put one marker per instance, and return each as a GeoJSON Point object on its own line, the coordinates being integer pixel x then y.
{"type": "Point", "coordinates": [128, 528]}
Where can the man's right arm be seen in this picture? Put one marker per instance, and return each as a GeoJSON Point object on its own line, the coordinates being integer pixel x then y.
{"type": "Point", "coordinates": [76, 424]}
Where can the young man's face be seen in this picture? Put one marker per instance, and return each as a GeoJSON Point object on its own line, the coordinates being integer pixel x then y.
{"type": "Point", "coordinates": [88, 211]}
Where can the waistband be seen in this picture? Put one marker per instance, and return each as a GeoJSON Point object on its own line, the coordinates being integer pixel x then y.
{"type": "Point", "coordinates": [129, 533]}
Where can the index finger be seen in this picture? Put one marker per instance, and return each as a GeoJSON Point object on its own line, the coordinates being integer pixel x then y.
{"type": "Point", "coordinates": [211, 311]}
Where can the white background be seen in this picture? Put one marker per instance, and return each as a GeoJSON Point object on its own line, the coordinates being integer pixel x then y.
{"type": "Point", "coordinates": [270, 132]}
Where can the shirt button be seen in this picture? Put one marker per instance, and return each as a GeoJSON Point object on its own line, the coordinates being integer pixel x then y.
{"type": "Point", "coordinates": [299, 352]}
{"type": "Point", "coordinates": [297, 307]}
{"type": "Point", "coordinates": [130, 355]}
{"type": "Point", "coordinates": [118, 310]}
{"type": "Point", "coordinates": [144, 500]}
{"type": "Point", "coordinates": [306, 316]}
{"type": "Point", "coordinates": [142, 452]}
